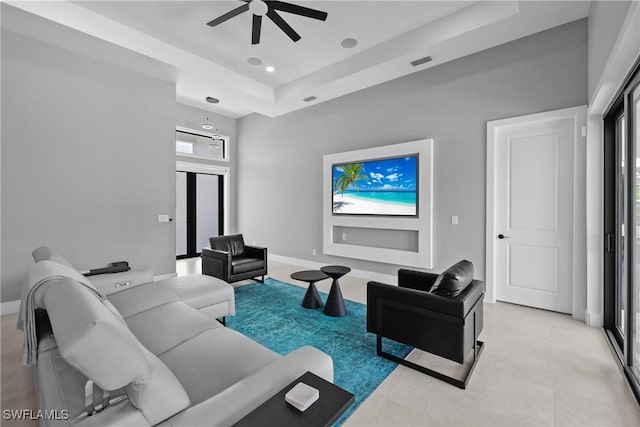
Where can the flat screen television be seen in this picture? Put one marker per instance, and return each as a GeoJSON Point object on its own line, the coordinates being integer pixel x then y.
{"type": "Point", "coordinates": [385, 187]}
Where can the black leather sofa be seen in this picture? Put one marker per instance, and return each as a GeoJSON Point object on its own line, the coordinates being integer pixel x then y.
{"type": "Point", "coordinates": [445, 325]}
{"type": "Point", "coordinates": [231, 260]}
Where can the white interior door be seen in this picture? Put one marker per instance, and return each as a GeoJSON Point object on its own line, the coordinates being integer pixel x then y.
{"type": "Point", "coordinates": [530, 223]}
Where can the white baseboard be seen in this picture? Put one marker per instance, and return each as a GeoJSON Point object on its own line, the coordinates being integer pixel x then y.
{"type": "Point", "coordinates": [369, 275]}
{"type": "Point", "coordinates": [580, 315]}
{"type": "Point", "coordinates": [10, 307]}
{"type": "Point", "coordinates": [595, 320]}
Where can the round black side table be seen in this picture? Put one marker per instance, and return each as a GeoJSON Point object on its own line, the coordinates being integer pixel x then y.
{"type": "Point", "coordinates": [312, 297]}
{"type": "Point", "coordinates": [335, 302]}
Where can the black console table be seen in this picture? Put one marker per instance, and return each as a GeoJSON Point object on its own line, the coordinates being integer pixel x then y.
{"type": "Point", "coordinates": [325, 411]}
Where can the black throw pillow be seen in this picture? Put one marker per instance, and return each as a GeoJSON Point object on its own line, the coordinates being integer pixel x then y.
{"type": "Point", "coordinates": [453, 280]}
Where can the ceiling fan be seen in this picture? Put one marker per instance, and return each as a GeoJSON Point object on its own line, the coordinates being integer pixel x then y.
{"type": "Point", "coordinates": [259, 8]}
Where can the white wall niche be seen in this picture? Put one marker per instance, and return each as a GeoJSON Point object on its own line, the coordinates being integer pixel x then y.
{"type": "Point", "coordinates": [422, 224]}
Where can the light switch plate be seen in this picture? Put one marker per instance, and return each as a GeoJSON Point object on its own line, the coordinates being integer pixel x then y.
{"type": "Point", "coordinates": [163, 218]}
{"type": "Point", "coordinates": [454, 220]}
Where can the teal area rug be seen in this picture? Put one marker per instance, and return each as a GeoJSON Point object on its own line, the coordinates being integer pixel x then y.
{"type": "Point", "coordinates": [271, 314]}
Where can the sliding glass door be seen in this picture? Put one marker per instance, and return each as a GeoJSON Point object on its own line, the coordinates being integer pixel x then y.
{"type": "Point", "coordinates": [622, 195]}
{"type": "Point", "coordinates": [622, 227]}
{"type": "Point", "coordinates": [199, 211]}
{"type": "Point", "coordinates": [633, 111]}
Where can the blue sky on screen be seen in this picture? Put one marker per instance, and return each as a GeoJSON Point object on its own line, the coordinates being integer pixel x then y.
{"type": "Point", "coordinates": [388, 174]}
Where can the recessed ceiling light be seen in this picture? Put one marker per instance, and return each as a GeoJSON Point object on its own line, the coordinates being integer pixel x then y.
{"type": "Point", "coordinates": [349, 43]}
{"type": "Point", "coordinates": [254, 61]}
{"type": "Point", "coordinates": [270, 69]}
{"type": "Point", "coordinates": [212, 100]}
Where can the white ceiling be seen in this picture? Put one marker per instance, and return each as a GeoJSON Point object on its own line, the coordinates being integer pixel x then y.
{"type": "Point", "coordinates": [212, 61]}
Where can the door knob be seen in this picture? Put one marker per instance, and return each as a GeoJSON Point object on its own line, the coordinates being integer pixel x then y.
{"type": "Point", "coordinates": [502, 236]}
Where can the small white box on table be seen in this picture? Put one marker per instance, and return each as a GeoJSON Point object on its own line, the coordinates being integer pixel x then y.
{"type": "Point", "coordinates": [301, 396]}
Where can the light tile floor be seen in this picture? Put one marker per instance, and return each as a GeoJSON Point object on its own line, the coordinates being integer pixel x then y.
{"type": "Point", "coordinates": [538, 368]}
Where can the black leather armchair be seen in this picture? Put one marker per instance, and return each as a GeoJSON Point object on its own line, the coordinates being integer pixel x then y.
{"type": "Point", "coordinates": [231, 260]}
{"type": "Point", "coordinates": [443, 325]}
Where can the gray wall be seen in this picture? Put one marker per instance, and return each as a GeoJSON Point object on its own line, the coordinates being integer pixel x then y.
{"type": "Point", "coordinates": [280, 159]}
{"type": "Point", "coordinates": [193, 118]}
{"type": "Point", "coordinates": [88, 158]}
{"type": "Point", "coordinates": [605, 20]}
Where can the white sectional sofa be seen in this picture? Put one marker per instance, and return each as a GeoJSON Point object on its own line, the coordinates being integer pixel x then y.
{"type": "Point", "coordinates": [159, 358]}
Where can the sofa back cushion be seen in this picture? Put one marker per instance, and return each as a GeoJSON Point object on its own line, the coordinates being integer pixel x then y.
{"type": "Point", "coordinates": [97, 342]}
{"type": "Point", "coordinates": [91, 338]}
{"type": "Point", "coordinates": [158, 395]}
{"type": "Point", "coordinates": [44, 253]}
{"type": "Point", "coordinates": [454, 280]}
{"type": "Point", "coordinates": [233, 243]}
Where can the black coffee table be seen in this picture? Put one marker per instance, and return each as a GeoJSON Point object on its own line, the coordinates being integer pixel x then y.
{"type": "Point", "coordinates": [312, 297]}
{"type": "Point", "coordinates": [325, 411]}
{"type": "Point", "coordinates": [335, 302]}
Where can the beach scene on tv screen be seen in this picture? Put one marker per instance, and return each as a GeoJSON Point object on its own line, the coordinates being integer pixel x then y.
{"type": "Point", "coordinates": [376, 187]}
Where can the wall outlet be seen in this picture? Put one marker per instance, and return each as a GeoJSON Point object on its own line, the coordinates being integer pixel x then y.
{"type": "Point", "coordinates": [454, 220]}
{"type": "Point", "coordinates": [344, 236]}
{"type": "Point", "coordinates": [313, 252]}
{"type": "Point", "coordinates": [254, 243]}
{"type": "Point", "coordinates": [163, 218]}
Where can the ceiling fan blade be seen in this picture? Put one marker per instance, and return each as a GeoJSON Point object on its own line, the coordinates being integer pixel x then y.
{"type": "Point", "coordinates": [255, 30]}
{"type": "Point", "coordinates": [229, 15]}
{"type": "Point", "coordinates": [299, 10]}
{"type": "Point", "coordinates": [277, 19]}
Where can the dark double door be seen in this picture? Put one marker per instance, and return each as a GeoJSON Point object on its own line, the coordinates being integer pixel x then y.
{"type": "Point", "coordinates": [199, 211]}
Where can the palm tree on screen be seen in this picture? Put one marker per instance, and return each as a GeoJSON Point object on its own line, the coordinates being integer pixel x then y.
{"type": "Point", "coordinates": [351, 174]}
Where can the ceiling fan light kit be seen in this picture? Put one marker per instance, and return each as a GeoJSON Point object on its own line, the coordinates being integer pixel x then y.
{"type": "Point", "coordinates": [270, 8]}
{"type": "Point", "coordinates": [258, 7]}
